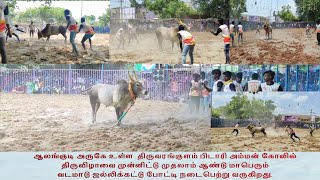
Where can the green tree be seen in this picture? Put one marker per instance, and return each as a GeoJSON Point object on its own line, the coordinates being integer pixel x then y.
{"type": "Point", "coordinates": [90, 19]}
{"type": "Point", "coordinates": [286, 14]}
{"type": "Point", "coordinates": [43, 13]}
{"type": "Point", "coordinates": [213, 8]}
{"type": "Point", "coordinates": [308, 10]}
{"type": "Point", "coordinates": [104, 19]}
{"type": "Point", "coordinates": [240, 107]}
{"type": "Point", "coordinates": [168, 8]}
{"type": "Point", "coordinates": [237, 7]}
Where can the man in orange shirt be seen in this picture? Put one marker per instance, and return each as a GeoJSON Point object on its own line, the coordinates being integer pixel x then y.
{"type": "Point", "coordinates": [188, 42]}
{"type": "Point", "coordinates": [4, 24]}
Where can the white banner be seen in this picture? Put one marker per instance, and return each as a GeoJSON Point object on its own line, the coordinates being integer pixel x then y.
{"type": "Point", "coordinates": [159, 165]}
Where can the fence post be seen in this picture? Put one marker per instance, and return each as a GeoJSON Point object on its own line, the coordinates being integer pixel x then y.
{"type": "Point", "coordinates": [102, 67]}
{"type": "Point", "coordinates": [69, 79]}
{"type": "Point", "coordinates": [297, 73]}
{"type": "Point", "coordinates": [287, 77]}
{"type": "Point", "coordinates": [307, 84]}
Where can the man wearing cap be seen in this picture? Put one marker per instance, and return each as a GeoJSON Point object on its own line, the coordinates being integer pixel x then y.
{"type": "Point", "coordinates": [4, 24]}
{"type": "Point", "coordinates": [223, 28]}
{"type": "Point", "coordinates": [228, 82]}
{"type": "Point", "coordinates": [188, 42]}
{"type": "Point", "coordinates": [89, 32]}
{"type": "Point", "coordinates": [253, 85]}
{"type": "Point", "coordinates": [269, 85]}
{"type": "Point", "coordinates": [72, 25]}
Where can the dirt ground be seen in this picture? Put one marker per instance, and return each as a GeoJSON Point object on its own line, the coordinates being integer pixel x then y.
{"type": "Point", "coordinates": [63, 123]}
{"type": "Point", "coordinates": [276, 141]}
{"type": "Point", "coordinates": [56, 51]}
{"type": "Point", "coordinates": [287, 46]}
{"type": "Point", "coordinates": [208, 50]}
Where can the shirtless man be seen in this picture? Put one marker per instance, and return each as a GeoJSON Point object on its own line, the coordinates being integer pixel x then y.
{"type": "Point", "coordinates": [31, 29]}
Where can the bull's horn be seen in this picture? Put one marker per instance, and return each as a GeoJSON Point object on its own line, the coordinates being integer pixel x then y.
{"type": "Point", "coordinates": [135, 75]}
{"type": "Point", "coordinates": [131, 79]}
{"type": "Point", "coordinates": [180, 22]}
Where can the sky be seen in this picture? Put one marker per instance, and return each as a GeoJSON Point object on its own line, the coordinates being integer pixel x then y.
{"type": "Point", "coordinates": [126, 3]}
{"type": "Point", "coordinates": [96, 8]}
{"type": "Point", "coordinates": [263, 7]}
{"type": "Point", "coordinates": [292, 103]}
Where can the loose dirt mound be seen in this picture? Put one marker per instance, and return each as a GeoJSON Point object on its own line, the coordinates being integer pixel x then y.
{"type": "Point", "coordinates": [208, 50]}
{"type": "Point", "coordinates": [276, 141]}
{"type": "Point", "coordinates": [56, 51]}
{"type": "Point", "coordinates": [287, 46]}
{"type": "Point", "coordinates": [63, 123]}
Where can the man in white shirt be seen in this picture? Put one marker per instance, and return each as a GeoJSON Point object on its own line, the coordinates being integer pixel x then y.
{"type": "Point", "coordinates": [317, 29]}
{"type": "Point", "coordinates": [240, 35]}
{"type": "Point", "coordinates": [236, 129]}
{"type": "Point", "coordinates": [223, 28]}
{"type": "Point", "coordinates": [238, 82]}
{"type": "Point", "coordinates": [253, 85]}
{"type": "Point", "coordinates": [188, 42]}
{"type": "Point", "coordinates": [232, 31]}
{"type": "Point", "coordinates": [218, 84]}
{"type": "Point", "coordinates": [228, 85]}
{"type": "Point", "coordinates": [269, 85]}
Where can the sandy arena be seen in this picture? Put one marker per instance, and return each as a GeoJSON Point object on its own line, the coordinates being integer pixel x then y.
{"type": "Point", "coordinates": [287, 46]}
{"type": "Point", "coordinates": [276, 141]}
{"type": "Point", "coordinates": [208, 50]}
{"type": "Point", "coordinates": [63, 123]}
{"type": "Point", "coordinates": [56, 51]}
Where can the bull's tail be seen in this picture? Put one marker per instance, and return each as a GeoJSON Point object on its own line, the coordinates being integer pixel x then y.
{"type": "Point", "coordinates": [86, 89]}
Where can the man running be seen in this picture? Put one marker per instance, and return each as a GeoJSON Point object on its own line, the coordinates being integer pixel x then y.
{"type": "Point", "coordinates": [317, 29]}
{"type": "Point", "coordinates": [4, 24]}
{"type": "Point", "coordinates": [223, 28]}
{"type": "Point", "coordinates": [240, 35]}
{"type": "Point", "coordinates": [31, 29]}
{"type": "Point", "coordinates": [12, 31]}
{"type": "Point", "coordinates": [308, 33]}
{"type": "Point", "coordinates": [72, 25]}
{"type": "Point", "coordinates": [236, 127]}
{"type": "Point", "coordinates": [258, 29]}
{"type": "Point", "coordinates": [89, 32]}
{"type": "Point", "coordinates": [232, 30]}
{"type": "Point", "coordinates": [311, 129]}
{"type": "Point", "coordinates": [188, 42]}
{"type": "Point", "coordinates": [269, 85]}
{"type": "Point", "coordinates": [291, 133]}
